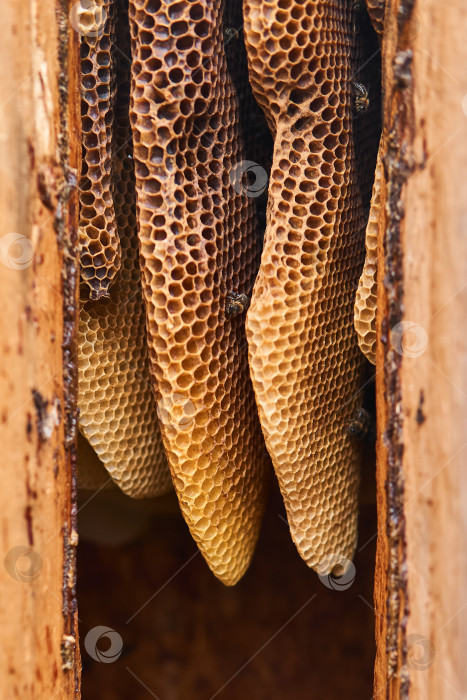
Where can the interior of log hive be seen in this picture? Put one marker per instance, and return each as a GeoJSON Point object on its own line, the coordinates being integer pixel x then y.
{"type": "Point", "coordinates": [233, 259]}
{"type": "Point", "coordinates": [228, 162]}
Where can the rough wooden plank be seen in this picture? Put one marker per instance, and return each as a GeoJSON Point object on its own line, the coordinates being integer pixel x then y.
{"type": "Point", "coordinates": [38, 653]}
{"type": "Point", "coordinates": [421, 574]}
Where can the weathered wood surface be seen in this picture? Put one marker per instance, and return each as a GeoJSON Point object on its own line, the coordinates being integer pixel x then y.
{"type": "Point", "coordinates": [421, 576]}
{"type": "Point", "coordinates": [38, 650]}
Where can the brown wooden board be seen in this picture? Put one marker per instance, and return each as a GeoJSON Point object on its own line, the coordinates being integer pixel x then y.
{"type": "Point", "coordinates": [39, 146]}
{"type": "Point", "coordinates": [421, 570]}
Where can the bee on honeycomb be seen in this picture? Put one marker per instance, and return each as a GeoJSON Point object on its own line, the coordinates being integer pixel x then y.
{"type": "Point", "coordinates": [362, 425]}
{"type": "Point", "coordinates": [236, 303]}
{"type": "Point", "coordinates": [361, 97]}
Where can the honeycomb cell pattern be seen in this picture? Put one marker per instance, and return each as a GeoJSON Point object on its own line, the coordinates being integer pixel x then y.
{"type": "Point", "coordinates": [197, 245]}
{"type": "Point", "coordinates": [304, 358]}
{"type": "Point", "coordinates": [100, 251]}
{"type": "Point", "coordinates": [118, 411]}
{"type": "Point", "coordinates": [376, 12]}
{"type": "Point", "coordinates": [365, 300]}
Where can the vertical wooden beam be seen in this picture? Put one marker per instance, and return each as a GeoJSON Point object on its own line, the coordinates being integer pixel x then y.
{"type": "Point", "coordinates": [38, 160]}
{"type": "Point", "coordinates": [421, 578]}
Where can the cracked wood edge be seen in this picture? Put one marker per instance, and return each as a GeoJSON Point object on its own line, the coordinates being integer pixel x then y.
{"type": "Point", "coordinates": [421, 567]}
{"type": "Point", "coordinates": [38, 205]}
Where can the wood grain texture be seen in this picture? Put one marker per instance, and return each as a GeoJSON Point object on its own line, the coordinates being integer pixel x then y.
{"type": "Point", "coordinates": [422, 489]}
{"type": "Point", "coordinates": [39, 656]}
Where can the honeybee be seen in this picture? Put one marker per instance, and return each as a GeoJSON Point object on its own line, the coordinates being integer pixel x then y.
{"type": "Point", "coordinates": [357, 5]}
{"type": "Point", "coordinates": [362, 100]}
{"type": "Point", "coordinates": [362, 425]}
{"type": "Point", "coordinates": [236, 303]}
{"type": "Point", "coordinates": [229, 34]}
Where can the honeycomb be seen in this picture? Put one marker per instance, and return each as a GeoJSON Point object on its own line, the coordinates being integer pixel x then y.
{"type": "Point", "coordinates": [196, 231]}
{"type": "Point", "coordinates": [118, 413]}
{"type": "Point", "coordinates": [369, 180]}
{"type": "Point", "coordinates": [304, 358]}
{"type": "Point", "coordinates": [100, 251]}
{"type": "Point", "coordinates": [376, 12]}
{"type": "Point", "coordinates": [92, 474]}
{"type": "Point", "coordinates": [365, 300]}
